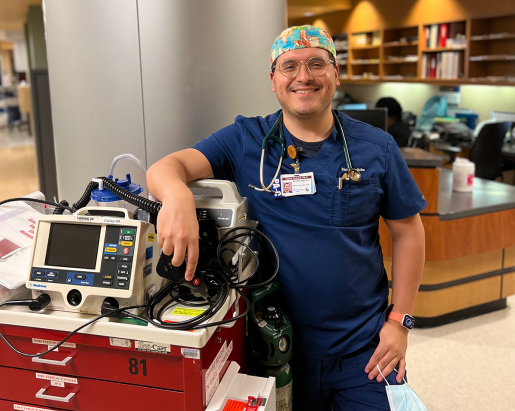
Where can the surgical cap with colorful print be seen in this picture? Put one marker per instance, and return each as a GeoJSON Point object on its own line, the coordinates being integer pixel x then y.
{"type": "Point", "coordinates": [300, 37]}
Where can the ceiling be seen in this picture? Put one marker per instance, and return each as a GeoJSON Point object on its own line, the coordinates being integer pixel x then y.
{"type": "Point", "coordinates": [13, 13]}
{"type": "Point", "coordinates": [303, 8]}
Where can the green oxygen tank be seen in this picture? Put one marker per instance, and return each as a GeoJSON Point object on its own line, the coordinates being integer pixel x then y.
{"type": "Point", "coordinates": [270, 333]}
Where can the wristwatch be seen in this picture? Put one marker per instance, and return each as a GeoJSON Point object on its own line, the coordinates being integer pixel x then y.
{"type": "Point", "coordinates": [406, 320]}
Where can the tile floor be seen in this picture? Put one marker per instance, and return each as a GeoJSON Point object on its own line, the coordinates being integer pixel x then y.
{"type": "Point", "coordinates": [464, 366]}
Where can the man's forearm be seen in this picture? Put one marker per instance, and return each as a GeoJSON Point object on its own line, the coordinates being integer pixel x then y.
{"type": "Point", "coordinates": [408, 255]}
{"type": "Point", "coordinates": [169, 176]}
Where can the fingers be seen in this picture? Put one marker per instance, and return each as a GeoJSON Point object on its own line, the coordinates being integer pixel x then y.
{"type": "Point", "coordinates": [379, 353]}
{"type": "Point", "coordinates": [193, 251]}
{"type": "Point", "coordinates": [401, 370]}
{"type": "Point", "coordinates": [386, 367]}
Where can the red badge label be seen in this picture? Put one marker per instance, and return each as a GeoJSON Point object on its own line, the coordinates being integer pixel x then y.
{"type": "Point", "coordinates": [126, 250]}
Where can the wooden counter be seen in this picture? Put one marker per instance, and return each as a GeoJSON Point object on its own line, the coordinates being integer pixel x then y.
{"type": "Point", "coordinates": [470, 244]}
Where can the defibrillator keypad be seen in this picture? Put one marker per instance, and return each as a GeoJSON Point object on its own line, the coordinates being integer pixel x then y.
{"type": "Point", "coordinates": [115, 267]}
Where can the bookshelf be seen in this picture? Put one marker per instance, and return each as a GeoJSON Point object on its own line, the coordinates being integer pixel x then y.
{"type": "Point", "coordinates": [400, 53]}
{"type": "Point", "coordinates": [492, 49]}
{"type": "Point", "coordinates": [365, 53]}
{"type": "Point", "coordinates": [475, 51]}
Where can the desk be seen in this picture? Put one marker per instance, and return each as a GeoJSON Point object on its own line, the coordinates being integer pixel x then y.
{"type": "Point", "coordinates": [507, 151]}
{"type": "Point", "coordinates": [470, 245]}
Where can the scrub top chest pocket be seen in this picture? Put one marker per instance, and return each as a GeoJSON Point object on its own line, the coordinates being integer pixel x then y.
{"type": "Point", "coordinates": [356, 203]}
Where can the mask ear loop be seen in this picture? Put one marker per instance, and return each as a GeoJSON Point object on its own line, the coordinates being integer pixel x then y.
{"type": "Point", "coordinates": [385, 380]}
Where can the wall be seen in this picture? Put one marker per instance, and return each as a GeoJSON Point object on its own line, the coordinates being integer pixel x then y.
{"type": "Point", "coordinates": [412, 97]}
{"type": "Point", "coordinates": [368, 15]}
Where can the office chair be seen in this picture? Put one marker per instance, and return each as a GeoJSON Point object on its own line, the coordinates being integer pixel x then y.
{"type": "Point", "coordinates": [486, 151]}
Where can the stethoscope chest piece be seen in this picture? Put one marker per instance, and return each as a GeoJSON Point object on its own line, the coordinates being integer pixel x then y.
{"type": "Point", "coordinates": [355, 175]}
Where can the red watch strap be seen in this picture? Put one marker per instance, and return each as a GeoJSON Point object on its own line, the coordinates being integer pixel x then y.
{"type": "Point", "coordinates": [396, 317]}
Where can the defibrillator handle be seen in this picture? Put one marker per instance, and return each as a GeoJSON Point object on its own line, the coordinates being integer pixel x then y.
{"type": "Point", "coordinates": [230, 194]}
{"type": "Point", "coordinates": [109, 211]}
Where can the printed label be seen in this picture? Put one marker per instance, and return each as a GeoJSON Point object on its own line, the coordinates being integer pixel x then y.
{"type": "Point", "coordinates": [190, 312]}
{"type": "Point", "coordinates": [84, 218]}
{"type": "Point", "coordinates": [151, 237]}
{"type": "Point", "coordinates": [149, 253]}
{"type": "Point", "coordinates": [262, 323]}
{"type": "Point", "coordinates": [120, 342]}
{"type": "Point", "coordinates": [56, 378]}
{"type": "Point", "coordinates": [152, 347]}
{"type": "Point", "coordinates": [57, 384]}
{"type": "Point", "coordinates": [242, 217]}
{"type": "Point", "coordinates": [27, 408]}
{"type": "Point", "coordinates": [213, 372]}
{"type": "Point", "coordinates": [112, 221]}
{"type": "Point", "coordinates": [190, 353]}
{"type": "Point", "coordinates": [52, 343]}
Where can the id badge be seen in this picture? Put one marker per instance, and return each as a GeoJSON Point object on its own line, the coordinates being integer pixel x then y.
{"type": "Point", "coordinates": [298, 184]}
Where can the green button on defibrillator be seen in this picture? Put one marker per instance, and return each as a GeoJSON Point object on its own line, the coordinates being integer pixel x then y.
{"type": "Point", "coordinates": [130, 232]}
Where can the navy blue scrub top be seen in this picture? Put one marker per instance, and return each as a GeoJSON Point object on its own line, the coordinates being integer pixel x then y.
{"type": "Point", "coordinates": [331, 272]}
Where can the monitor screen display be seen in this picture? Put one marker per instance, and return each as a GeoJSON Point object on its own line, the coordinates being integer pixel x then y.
{"type": "Point", "coordinates": [376, 117]}
{"type": "Point", "coordinates": [73, 245]}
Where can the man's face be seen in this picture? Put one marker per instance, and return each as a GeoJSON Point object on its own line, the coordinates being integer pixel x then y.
{"type": "Point", "coordinates": [305, 95]}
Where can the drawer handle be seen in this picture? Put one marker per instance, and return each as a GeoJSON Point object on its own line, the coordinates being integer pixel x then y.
{"type": "Point", "coordinates": [53, 362]}
{"type": "Point", "coordinates": [41, 394]}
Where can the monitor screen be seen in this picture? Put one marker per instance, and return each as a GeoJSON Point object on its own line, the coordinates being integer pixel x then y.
{"type": "Point", "coordinates": [73, 245]}
{"type": "Point", "coordinates": [376, 117]}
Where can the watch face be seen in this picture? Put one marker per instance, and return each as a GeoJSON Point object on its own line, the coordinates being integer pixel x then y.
{"type": "Point", "coordinates": [408, 322]}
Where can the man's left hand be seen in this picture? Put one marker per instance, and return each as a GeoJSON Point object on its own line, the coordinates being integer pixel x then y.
{"type": "Point", "coordinates": [390, 352]}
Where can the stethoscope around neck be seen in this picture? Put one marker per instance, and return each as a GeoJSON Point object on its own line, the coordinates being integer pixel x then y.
{"type": "Point", "coordinates": [352, 173]}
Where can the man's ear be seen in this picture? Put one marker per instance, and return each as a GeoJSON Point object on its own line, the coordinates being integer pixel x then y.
{"type": "Point", "coordinates": [272, 79]}
{"type": "Point", "coordinates": [336, 73]}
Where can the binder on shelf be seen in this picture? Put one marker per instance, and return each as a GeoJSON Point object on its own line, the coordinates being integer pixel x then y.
{"type": "Point", "coordinates": [424, 65]}
{"type": "Point", "coordinates": [444, 32]}
{"type": "Point", "coordinates": [432, 69]}
{"type": "Point", "coordinates": [434, 36]}
{"type": "Point", "coordinates": [427, 34]}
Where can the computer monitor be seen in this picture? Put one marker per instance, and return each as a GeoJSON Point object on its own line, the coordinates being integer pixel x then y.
{"type": "Point", "coordinates": [357, 106]}
{"type": "Point", "coordinates": [502, 116]}
{"type": "Point", "coordinates": [376, 117]}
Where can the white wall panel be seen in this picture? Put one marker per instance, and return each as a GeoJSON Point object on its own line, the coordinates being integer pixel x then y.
{"type": "Point", "coordinates": [204, 63]}
{"type": "Point", "coordinates": [95, 87]}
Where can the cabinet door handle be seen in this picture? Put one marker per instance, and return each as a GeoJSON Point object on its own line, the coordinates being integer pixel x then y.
{"type": "Point", "coordinates": [52, 362]}
{"type": "Point", "coordinates": [41, 394]}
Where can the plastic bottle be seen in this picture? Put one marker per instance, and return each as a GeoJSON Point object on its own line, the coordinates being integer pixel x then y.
{"type": "Point", "coordinates": [463, 171]}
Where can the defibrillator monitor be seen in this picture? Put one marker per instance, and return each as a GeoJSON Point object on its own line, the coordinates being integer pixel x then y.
{"type": "Point", "coordinates": [79, 260]}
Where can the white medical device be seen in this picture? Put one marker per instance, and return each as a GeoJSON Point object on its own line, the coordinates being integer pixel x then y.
{"type": "Point", "coordinates": [80, 260]}
{"type": "Point", "coordinates": [228, 210]}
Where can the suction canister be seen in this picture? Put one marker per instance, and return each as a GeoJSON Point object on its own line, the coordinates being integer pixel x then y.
{"type": "Point", "coordinates": [105, 198]}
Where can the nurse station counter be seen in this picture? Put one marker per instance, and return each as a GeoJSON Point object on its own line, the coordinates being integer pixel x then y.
{"type": "Point", "coordinates": [470, 244]}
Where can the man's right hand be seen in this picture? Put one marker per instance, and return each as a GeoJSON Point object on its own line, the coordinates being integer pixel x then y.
{"type": "Point", "coordinates": [177, 230]}
{"type": "Point", "coordinates": [177, 225]}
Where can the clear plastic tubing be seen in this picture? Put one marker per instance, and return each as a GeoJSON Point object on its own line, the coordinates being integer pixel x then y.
{"type": "Point", "coordinates": [127, 157]}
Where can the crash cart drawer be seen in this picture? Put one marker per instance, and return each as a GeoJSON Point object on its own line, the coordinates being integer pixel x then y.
{"type": "Point", "coordinates": [94, 357]}
{"type": "Point", "coordinates": [83, 394]}
{"type": "Point", "coordinates": [13, 406]}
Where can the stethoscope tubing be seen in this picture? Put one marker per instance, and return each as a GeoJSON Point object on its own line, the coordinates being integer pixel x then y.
{"type": "Point", "coordinates": [281, 140]}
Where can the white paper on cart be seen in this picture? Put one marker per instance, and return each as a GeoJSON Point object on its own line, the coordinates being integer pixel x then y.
{"type": "Point", "coordinates": [17, 225]}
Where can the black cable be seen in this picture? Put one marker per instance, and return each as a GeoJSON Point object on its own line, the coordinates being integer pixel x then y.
{"type": "Point", "coordinates": [34, 200]}
{"type": "Point", "coordinates": [70, 334]}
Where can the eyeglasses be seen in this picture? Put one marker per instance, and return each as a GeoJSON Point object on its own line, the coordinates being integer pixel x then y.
{"type": "Point", "coordinates": [316, 66]}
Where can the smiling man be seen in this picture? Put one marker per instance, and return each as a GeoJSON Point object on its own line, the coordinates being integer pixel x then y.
{"type": "Point", "coordinates": [321, 209]}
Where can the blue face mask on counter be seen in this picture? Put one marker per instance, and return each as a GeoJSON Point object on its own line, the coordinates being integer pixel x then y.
{"type": "Point", "coordinates": [402, 397]}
